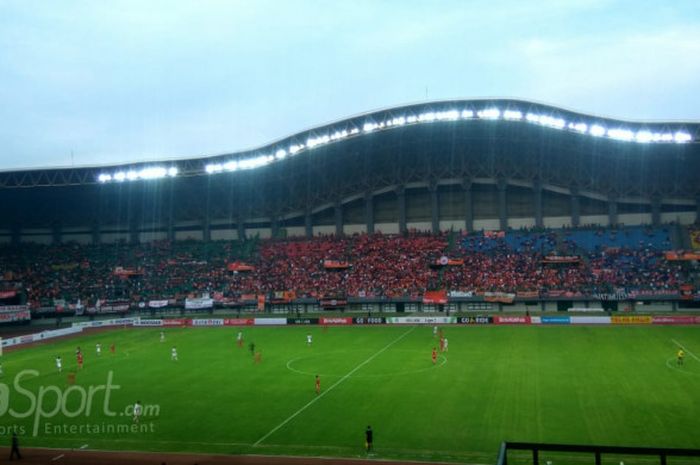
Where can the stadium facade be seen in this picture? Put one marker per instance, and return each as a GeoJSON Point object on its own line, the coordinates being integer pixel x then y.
{"type": "Point", "coordinates": [462, 165]}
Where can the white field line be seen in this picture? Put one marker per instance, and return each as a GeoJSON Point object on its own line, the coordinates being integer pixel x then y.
{"type": "Point", "coordinates": [689, 352]}
{"type": "Point", "coordinates": [58, 457]}
{"type": "Point", "coordinates": [315, 399]}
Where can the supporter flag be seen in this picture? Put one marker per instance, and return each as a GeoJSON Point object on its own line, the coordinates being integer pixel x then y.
{"type": "Point", "coordinates": [335, 265]}
{"type": "Point", "coordinates": [494, 234]}
{"type": "Point", "coordinates": [695, 239]}
{"type": "Point", "coordinates": [435, 297]}
{"type": "Point", "coordinates": [239, 267]}
{"type": "Point", "coordinates": [261, 302]}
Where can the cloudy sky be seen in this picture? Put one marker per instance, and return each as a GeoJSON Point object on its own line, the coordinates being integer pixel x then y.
{"type": "Point", "coordinates": [100, 82]}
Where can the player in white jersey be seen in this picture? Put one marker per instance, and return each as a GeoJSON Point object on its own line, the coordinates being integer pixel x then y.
{"type": "Point", "coordinates": [444, 345]}
{"type": "Point", "coordinates": [59, 364]}
{"type": "Point", "coordinates": [162, 336]}
{"type": "Point", "coordinates": [137, 411]}
{"type": "Point", "coordinates": [98, 349]}
{"type": "Point", "coordinates": [308, 339]}
{"type": "Point", "coordinates": [173, 354]}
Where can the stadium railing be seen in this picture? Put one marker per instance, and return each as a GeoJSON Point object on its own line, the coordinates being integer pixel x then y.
{"type": "Point", "coordinates": [597, 451]}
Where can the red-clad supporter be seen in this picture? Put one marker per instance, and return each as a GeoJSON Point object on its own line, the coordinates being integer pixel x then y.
{"type": "Point", "coordinates": [377, 265]}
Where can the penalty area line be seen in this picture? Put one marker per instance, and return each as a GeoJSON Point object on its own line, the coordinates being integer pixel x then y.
{"type": "Point", "coordinates": [689, 352]}
{"type": "Point", "coordinates": [313, 401]}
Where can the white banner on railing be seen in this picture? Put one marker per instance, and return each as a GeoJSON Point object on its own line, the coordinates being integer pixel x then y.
{"type": "Point", "coordinates": [157, 303]}
{"type": "Point", "coordinates": [270, 321]}
{"type": "Point", "coordinates": [421, 320]}
{"type": "Point", "coordinates": [196, 304]}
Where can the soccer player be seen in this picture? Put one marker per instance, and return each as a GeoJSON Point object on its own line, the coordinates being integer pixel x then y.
{"type": "Point", "coordinates": [239, 339]}
{"type": "Point", "coordinates": [112, 348]}
{"type": "Point", "coordinates": [444, 345]}
{"type": "Point", "coordinates": [318, 385]}
{"type": "Point", "coordinates": [681, 356]}
{"type": "Point", "coordinates": [98, 349]}
{"type": "Point", "coordinates": [173, 354]}
{"type": "Point", "coordinates": [137, 411]}
{"type": "Point", "coordinates": [434, 331]}
{"type": "Point", "coordinates": [251, 347]}
{"type": "Point", "coordinates": [308, 340]}
{"type": "Point", "coordinates": [368, 438]}
{"type": "Point", "coordinates": [258, 357]}
{"type": "Point", "coordinates": [59, 364]}
{"type": "Point", "coordinates": [80, 360]}
{"type": "Point", "coordinates": [434, 355]}
{"type": "Point", "coordinates": [162, 336]}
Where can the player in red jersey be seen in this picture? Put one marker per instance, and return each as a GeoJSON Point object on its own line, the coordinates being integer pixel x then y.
{"type": "Point", "coordinates": [442, 343]}
{"type": "Point", "coordinates": [434, 355]}
{"type": "Point", "coordinates": [80, 360]}
{"type": "Point", "coordinates": [112, 348]}
{"type": "Point", "coordinates": [318, 385]}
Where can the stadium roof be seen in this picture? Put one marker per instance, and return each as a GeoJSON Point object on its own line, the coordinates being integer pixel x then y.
{"type": "Point", "coordinates": [528, 113]}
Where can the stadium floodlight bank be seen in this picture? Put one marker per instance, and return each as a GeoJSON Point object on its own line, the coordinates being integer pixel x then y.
{"type": "Point", "coordinates": [428, 113]}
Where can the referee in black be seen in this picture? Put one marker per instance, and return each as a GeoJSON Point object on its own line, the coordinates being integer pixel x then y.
{"type": "Point", "coordinates": [15, 447]}
{"type": "Point", "coordinates": [368, 438]}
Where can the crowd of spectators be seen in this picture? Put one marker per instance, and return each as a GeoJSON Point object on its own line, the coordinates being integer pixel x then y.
{"type": "Point", "coordinates": [370, 266]}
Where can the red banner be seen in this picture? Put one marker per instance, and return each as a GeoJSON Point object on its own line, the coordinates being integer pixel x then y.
{"type": "Point", "coordinates": [528, 294]}
{"type": "Point", "coordinates": [127, 272]}
{"type": "Point", "coordinates": [261, 302]}
{"type": "Point", "coordinates": [335, 265]}
{"type": "Point", "coordinates": [435, 297]}
{"type": "Point", "coordinates": [7, 294]}
{"type": "Point", "coordinates": [176, 322]}
{"type": "Point", "coordinates": [239, 267]}
{"type": "Point", "coordinates": [682, 256]}
{"type": "Point", "coordinates": [511, 320]}
{"type": "Point", "coordinates": [335, 321]}
{"type": "Point", "coordinates": [503, 297]}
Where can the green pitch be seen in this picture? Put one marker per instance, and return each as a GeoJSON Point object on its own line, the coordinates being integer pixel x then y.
{"type": "Point", "coordinates": [602, 385]}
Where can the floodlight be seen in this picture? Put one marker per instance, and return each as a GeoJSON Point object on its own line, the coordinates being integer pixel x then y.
{"type": "Point", "coordinates": [579, 127]}
{"type": "Point", "coordinates": [489, 113]}
{"type": "Point", "coordinates": [620, 134]}
{"type": "Point", "coordinates": [682, 137]}
{"type": "Point", "coordinates": [173, 171]}
{"type": "Point", "coordinates": [644, 136]}
{"type": "Point", "coordinates": [230, 165]}
{"type": "Point", "coordinates": [512, 115]}
{"type": "Point", "coordinates": [467, 114]}
{"type": "Point", "coordinates": [104, 177]}
{"type": "Point", "coordinates": [597, 130]}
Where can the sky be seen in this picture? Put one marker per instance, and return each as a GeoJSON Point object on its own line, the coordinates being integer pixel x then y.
{"type": "Point", "coordinates": [86, 83]}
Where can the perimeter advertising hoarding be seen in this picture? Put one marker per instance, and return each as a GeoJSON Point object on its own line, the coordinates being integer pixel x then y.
{"type": "Point", "coordinates": [631, 320]}
{"type": "Point", "coordinates": [474, 320]}
{"type": "Point", "coordinates": [511, 320]}
{"type": "Point", "coordinates": [371, 320]}
{"type": "Point", "coordinates": [675, 320]}
{"type": "Point", "coordinates": [422, 320]}
{"type": "Point", "coordinates": [335, 321]}
{"type": "Point", "coordinates": [270, 321]}
{"type": "Point", "coordinates": [302, 321]}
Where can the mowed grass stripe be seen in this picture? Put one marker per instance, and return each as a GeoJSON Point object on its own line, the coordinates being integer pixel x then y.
{"type": "Point", "coordinates": [314, 400]}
